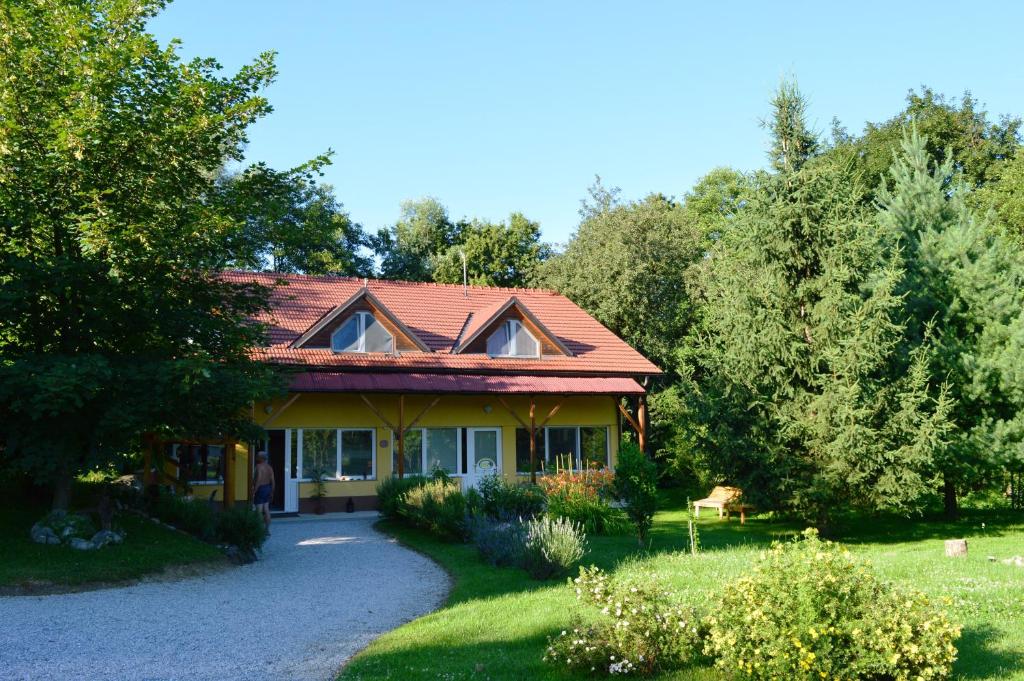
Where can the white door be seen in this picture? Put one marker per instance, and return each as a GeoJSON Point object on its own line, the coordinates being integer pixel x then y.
{"type": "Point", "coordinates": [292, 470]}
{"type": "Point", "coordinates": [484, 456]}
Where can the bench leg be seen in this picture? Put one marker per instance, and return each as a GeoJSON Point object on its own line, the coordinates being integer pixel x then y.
{"type": "Point", "coordinates": [743, 515]}
{"type": "Point", "coordinates": [696, 511]}
{"type": "Point", "coordinates": [719, 512]}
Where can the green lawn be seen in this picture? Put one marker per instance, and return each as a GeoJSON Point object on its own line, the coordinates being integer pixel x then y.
{"type": "Point", "coordinates": [496, 621]}
{"type": "Point", "coordinates": [148, 549]}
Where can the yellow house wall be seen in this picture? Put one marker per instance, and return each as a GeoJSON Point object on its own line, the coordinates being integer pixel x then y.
{"type": "Point", "coordinates": [203, 490]}
{"type": "Point", "coordinates": [335, 410]}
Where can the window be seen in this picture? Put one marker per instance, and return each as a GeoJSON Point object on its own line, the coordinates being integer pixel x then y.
{"type": "Point", "coordinates": [559, 448]}
{"type": "Point", "coordinates": [512, 340]}
{"type": "Point", "coordinates": [338, 452]}
{"type": "Point", "coordinates": [362, 333]}
{"type": "Point", "coordinates": [319, 447]}
{"type": "Point", "coordinates": [198, 463]}
{"type": "Point", "coordinates": [357, 453]}
{"type": "Point", "coordinates": [430, 448]}
{"type": "Point", "coordinates": [523, 450]}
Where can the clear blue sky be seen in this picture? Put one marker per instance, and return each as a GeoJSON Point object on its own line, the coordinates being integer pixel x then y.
{"type": "Point", "coordinates": [496, 107]}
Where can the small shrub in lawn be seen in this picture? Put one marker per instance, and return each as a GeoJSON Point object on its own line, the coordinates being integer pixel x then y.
{"type": "Point", "coordinates": [551, 547]}
{"type": "Point", "coordinates": [500, 543]}
{"type": "Point", "coordinates": [810, 610]}
{"type": "Point", "coordinates": [391, 493]}
{"type": "Point", "coordinates": [242, 527]}
{"type": "Point", "coordinates": [195, 517]}
{"type": "Point", "coordinates": [588, 510]}
{"type": "Point", "coordinates": [505, 500]}
{"type": "Point", "coordinates": [636, 483]}
{"type": "Point", "coordinates": [641, 629]}
{"type": "Point", "coordinates": [437, 506]}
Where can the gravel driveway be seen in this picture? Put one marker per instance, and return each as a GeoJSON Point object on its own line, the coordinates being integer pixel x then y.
{"type": "Point", "coordinates": [323, 590]}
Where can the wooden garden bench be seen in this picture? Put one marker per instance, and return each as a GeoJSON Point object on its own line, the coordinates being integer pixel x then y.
{"type": "Point", "coordinates": [725, 499]}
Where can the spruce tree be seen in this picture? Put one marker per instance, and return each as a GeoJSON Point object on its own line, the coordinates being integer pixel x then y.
{"type": "Point", "coordinates": [811, 400]}
{"type": "Point", "coordinates": [967, 283]}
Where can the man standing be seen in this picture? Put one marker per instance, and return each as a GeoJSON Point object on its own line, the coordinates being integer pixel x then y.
{"type": "Point", "coordinates": [263, 487]}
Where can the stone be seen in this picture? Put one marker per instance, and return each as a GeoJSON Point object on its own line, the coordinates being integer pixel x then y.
{"type": "Point", "coordinates": [956, 548]}
{"type": "Point", "coordinates": [82, 544]}
{"type": "Point", "coordinates": [104, 537]}
{"type": "Point", "coordinates": [1018, 561]}
{"type": "Point", "coordinates": [41, 534]}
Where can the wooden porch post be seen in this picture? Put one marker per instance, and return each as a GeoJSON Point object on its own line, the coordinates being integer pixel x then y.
{"type": "Point", "coordinates": [641, 419]}
{"type": "Point", "coordinates": [401, 436]}
{"type": "Point", "coordinates": [147, 459]}
{"type": "Point", "coordinates": [229, 474]}
{"type": "Point", "coordinates": [533, 440]}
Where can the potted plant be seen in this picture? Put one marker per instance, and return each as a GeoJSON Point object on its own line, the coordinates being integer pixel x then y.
{"type": "Point", "coordinates": [317, 475]}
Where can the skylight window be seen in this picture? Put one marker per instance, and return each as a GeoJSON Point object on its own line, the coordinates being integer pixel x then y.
{"type": "Point", "coordinates": [362, 333]}
{"type": "Point", "coordinates": [512, 340]}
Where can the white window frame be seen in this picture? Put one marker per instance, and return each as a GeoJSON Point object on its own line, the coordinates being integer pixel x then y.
{"type": "Point", "coordinates": [423, 450]}
{"type": "Point", "coordinates": [193, 483]}
{"type": "Point", "coordinates": [510, 337]}
{"type": "Point", "coordinates": [578, 460]}
{"type": "Point", "coordinates": [339, 475]}
{"type": "Point", "coordinates": [360, 317]}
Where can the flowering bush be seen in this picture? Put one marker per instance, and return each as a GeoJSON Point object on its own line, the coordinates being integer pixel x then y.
{"type": "Point", "coordinates": [810, 610]}
{"type": "Point", "coordinates": [591, 483]}
{"type": "Point", "coordinates": [551, 547]}
{"type": "Point", "coordinates": [590, 511]}
{"type": "Point", "coordinates": [642, 629]}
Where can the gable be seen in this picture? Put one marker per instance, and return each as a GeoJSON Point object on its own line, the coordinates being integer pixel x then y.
{"type": "Point", "coordinates": [478, 331]}
{"type": "Point", "coordinates": [319, 335]}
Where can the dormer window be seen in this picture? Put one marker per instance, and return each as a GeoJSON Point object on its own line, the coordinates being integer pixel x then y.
{"type": "Point", "coordinates": [362, 333]}
{"type": "Point", "coordinates": [512, 340]}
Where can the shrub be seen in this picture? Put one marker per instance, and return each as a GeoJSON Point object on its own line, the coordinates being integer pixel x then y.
{"type": "Point", "coordinates": [590, 511]}
{"type": "Point", "coordinates": [195, 517]}
{"type": "Point", "coordinates": [504, 500]}
{"type": "Point", "coordinates": [809, 610]}
{"type": "Point", "coordinates": [242, 527]}
{"type": "Point", "coordinates": [499, 543]}
{"type": "Point", "coordinates": [391, 493]}
{"type": "Point", "coordinates": [636, 484]}
{"type": "Point", "coordinates": [551, 547]}
{"type": "Point", "coordinates": [437, 506]}
{"type": "Point", "coordinates": [641, 629]}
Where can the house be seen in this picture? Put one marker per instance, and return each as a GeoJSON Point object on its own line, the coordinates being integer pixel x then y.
{"type": "Point", "coordinates": [399, 378]}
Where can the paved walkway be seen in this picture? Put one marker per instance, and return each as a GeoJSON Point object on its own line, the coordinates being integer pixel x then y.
{"type": "Point", "coordinates": [324, 589]}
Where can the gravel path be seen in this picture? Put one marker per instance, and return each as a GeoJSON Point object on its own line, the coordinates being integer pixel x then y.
{"type": "Point", "coordinates": [323, 589]}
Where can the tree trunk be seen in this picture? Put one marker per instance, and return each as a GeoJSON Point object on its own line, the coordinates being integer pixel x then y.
{"type": "Point", "coordinates": [62, 489]}
{"type": "Point", "coordinates": [949, 497]}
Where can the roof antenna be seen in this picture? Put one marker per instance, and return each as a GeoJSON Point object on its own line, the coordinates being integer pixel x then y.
{"type": "Point", "coordinates": [366, 282]}
{"type": "Point", "coordinates": [465, 283]}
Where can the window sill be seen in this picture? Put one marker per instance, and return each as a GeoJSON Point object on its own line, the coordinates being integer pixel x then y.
{"type": "Point", "coordinates": [204, 482]}
{"type": "Point", "coordinates": [371, 478]}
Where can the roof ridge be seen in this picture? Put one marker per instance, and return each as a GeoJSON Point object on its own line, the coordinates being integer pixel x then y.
{"type": "Point", "coordinates": [372, 280]}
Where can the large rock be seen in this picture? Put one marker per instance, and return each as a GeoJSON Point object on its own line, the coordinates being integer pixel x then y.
{"type": "Point", "coordinates": [82, 544]}
{"type": "Point", "coordinates": [104, 537]}
{"type": "Point", "coordinates": [41, 534]}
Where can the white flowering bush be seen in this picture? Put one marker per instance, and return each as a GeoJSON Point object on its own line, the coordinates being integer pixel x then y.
{"type": "Point", "coordinates": [640, 629]}
{"type": "Point", "coordinates": [810, 610]}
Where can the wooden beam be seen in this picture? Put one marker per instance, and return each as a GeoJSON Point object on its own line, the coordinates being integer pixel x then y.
{"type": "Point", "coordinates": [509, 409]}
{"type": "Point", "coordinates": [551, 413]}
{"type": "Point", "coordinates": [273, 417]}
{"type": "Point", "coordinates": [376, 412]}
{"type": "Point", "coordinates": [629, 417]}
{"type": "Point", "coordinates": [412, 424]}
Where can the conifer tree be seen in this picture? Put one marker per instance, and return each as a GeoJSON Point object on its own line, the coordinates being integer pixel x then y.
{"type": "Point", "coordinates": [811, 399]}
{"type": "Point", "coordinates": [967, 283]}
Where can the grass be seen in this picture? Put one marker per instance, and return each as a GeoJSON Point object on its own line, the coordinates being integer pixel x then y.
{"type": "Point", "coordinates": [148, 548]}
{"type": "Point", "coordinates": [496, 621]}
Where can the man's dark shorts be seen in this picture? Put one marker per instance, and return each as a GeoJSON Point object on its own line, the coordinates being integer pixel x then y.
{"type": "Point", "coordinates": [262, 494]}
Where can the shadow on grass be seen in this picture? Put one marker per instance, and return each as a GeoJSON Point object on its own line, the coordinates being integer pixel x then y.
{"type": "Point", "coordinates": [978, 659]}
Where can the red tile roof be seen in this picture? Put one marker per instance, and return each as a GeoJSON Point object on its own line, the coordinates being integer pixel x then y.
{"type": "Point", "coordinates": [437, 313]}
{"type": "Point", "coordinates": [323, 381]}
